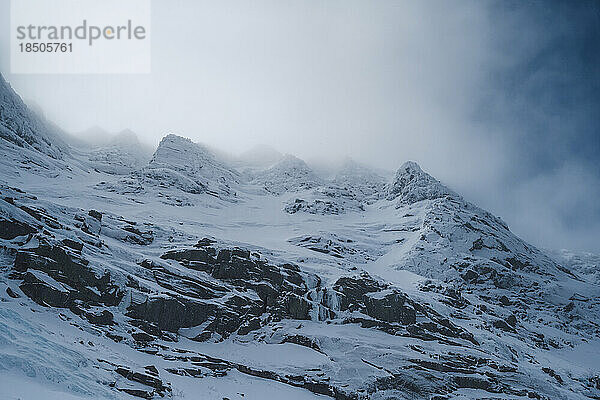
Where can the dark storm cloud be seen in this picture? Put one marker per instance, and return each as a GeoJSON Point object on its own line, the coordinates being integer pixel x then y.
{"type": "Point", "coordinates": [545, 99]}
{"type": "Point", "coordinates": [548, 99]}
{"type": "Point", "coordinates": [500, 100]}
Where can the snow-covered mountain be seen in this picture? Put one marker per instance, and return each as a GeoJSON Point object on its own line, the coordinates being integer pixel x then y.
{"type": "Point", "coordinates": [121, 154]}
{"type": "Point", "coordinates": [290, 174]}
{"type": "Point", "coordinates": [22, 127]}
{"type": "Point", "coordinates": [190, 167]}
{"type": "Point", "coordinates": [182, 277]}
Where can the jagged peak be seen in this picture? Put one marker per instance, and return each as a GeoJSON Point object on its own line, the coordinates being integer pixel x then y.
{"type": "Point", "coordinates": [182, 153]}
{"type": "Point", "coordinates": [174, 138]}
{"type": "Point", "coordinates": [412, 184]}
{"type": "Point", "coordinates": [411, 166]}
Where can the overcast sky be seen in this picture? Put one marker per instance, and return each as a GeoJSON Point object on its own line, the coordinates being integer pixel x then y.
{"type": "Point", "coordinates": [500, 100]}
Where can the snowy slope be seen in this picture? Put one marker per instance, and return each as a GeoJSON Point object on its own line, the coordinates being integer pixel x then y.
{"type": "Point", "coordinates": [24, 128]}
{"type": "Point", "coordinates": [121, 154]}
{"type": "Point", "coordinates": [188, 279]}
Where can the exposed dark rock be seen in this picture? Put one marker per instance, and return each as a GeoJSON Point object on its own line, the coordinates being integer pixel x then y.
{"type": "Point", "coordinates": [501, 324]}
{"type": "Point", "coordinates": [302, 341]}
{"type": "Point", "coordinates": [516, 264]}
{"type": "Point", "coordinates": [68, 268]}
{"type": "Point", "coordinates": [142, 337]}
{"type": "Point", "coordinates": [267, 293]}
{"type": "Point", "coordinates": [137, 236]}
{"type": "Point", "coordinates": [170, 313]}
{"type": "Point", "coordinates": [10, 229]}
{"type": "Point", "coordinates": [470, 276]}
{"type": "Point", "coordinates": [236, 268]}
{"type": "Point", "coordinates": [553, 374]}
{"type": "Point", "coordinates": [144, 379]}
{"type": "Point", "coordinates": [224, 255]}
{"type": "Point", "coordinates": [114, 337]}
{"type": "Point", "coordinates": [185, 256]}
{"type": "Point", "coordinates": [148, 327]}
{"type": "Point", "coordinates": [391, 307]}
{"type": "Point", "coordinates": [43, 293]}
{"type": "Point", "coordinates": [569, 307]}
{"type": "Point", "coordinates": [41, 215]}
{"type": "Point", "coordinates": [454, 298]}
{"type": "Point", "coordinates": [151, 369]}
{"type": "Point", "coordinates": [204, 242]}
{"type": "Point", "coordinates": [472, 382]}
{"type": "Point", "coordinates": [297, 307]}
{"type": "Point", "coordinates": [353, 290]}
{"type": "Point", "coordinates": [242, 253]}
{"type": "Point", "coordinates": [504, 301]}
{"type": "Point", "coordinates": [249, 326]}
{"type": "Point", "coordinates": [104, 317]}
{"type": "Point", "coordinates": [143, 394]}
{"type": "Point", "coordinates": [477, 245]}
{"type": "Point", "coordinates": [75, 245]}
{"type": "Point", "coordinates": [95, 214]}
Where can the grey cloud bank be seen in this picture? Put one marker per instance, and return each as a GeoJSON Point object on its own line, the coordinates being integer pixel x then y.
{"type": "Point", "coordinates": [497, 99]}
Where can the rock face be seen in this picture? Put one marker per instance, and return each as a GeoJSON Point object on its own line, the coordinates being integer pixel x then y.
{"type": "Point", "coordinates": [10, 228]}
{"type": "Point", "coordinates": [70, 282]}
{"type": "Point", "coordinates": [390, 307]}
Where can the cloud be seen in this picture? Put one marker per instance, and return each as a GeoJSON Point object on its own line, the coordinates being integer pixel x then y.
{"type": "Point", "coordinates": [497, 99]}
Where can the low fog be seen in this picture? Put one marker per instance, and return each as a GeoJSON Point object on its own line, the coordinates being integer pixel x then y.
{"type": "Point", "coordinates": [499, 100]}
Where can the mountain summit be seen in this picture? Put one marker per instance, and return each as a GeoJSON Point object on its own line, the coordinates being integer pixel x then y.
{"type": "Point", "coordinates": [190, 167]}
{"type": "Point", "coordinates": [411, 185]}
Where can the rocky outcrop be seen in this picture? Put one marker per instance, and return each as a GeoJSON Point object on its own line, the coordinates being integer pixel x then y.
{"type": "Point", "coordinates": [189, 167]}
{"type": "Point", "coordinates": [10, 228]}
{"type": "Point", "coordinates": [411, 185]}
{"type": "Point", "coordinates": [390, 306]}
{"type": "Point", "coordinates": [70, 281]}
